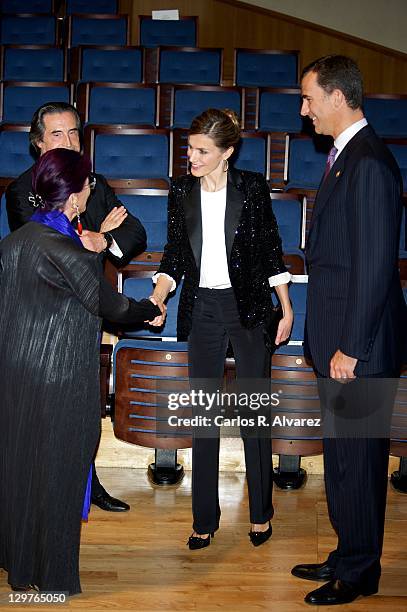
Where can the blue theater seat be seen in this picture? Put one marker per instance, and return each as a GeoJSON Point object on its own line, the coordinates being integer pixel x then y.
{"type": "Point", "coordinates": [252, 153]}
{"type": "Point", "coordinates": [279, 111]}
{"type": "Point", "coordinates": [295, 381]}
{"type": "Point", "coordinates": [120, 64]}
{"type": "Point", "coordinates": [145, 369]}
{"type": "Point", "coordinates": [26, 64]}
{"type": "Point", "coordinates": [20, 100]}
{"type": "Point", "coordinates": [132, 153]}
{"type": "Point", "coordinates": [306, 164]}
{"type": "Point", "coordinates": [288, 210]}
{"type": "Point", "coordinates": [28, 30]}
{"type": "Point", "coordinates": [399, 150]}
{"type": "Point", "coordinates": [4, 228]}
{"type": "Point", "coordinates": [98, 30]}
{"type": "Point", "coordinates": [403, 235]}
{"type": "Point", "coordinates": [266, 68]}
{"type": "Point", "coordinates": [15, 157]}
{"type": "Point", "coordinates": [14, 7]}
{"type": "Point", "coordinates": [103, 7]}
{"type": "Point", "coordinates": [144, 373]}
{"type": "Point", "coordinates": [387, 114]}
{"type": "Point", "coordinates": [298, 297]}
{"type": "Point", "coordinates": [121, 105]}
{"type": "Point", "coordinates": [151, 209]}
{"type": "Point", "coordinates": [190, 65]}
{"type": "Point", "coordinates": [190, 102]}
{"type": "Point", "coordinates": [178, 33]}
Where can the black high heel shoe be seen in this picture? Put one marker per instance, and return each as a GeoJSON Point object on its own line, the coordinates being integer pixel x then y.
{"type": "Point", "coordinates": [196, 543]}
{"type": "Point", "coordinates": [259, 537]}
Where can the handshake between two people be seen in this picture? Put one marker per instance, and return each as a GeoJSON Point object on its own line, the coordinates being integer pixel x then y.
{"type": "Point", "coordinates": [161, 290]}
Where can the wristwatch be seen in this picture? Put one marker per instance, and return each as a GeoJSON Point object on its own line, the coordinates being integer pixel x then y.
{"type": "Point", "coordinates": [109, 240]}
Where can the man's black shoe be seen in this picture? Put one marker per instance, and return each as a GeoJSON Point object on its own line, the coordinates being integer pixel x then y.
{"type": "Point", "coordinates": [106, 502]}
{"type": "Point", "coordinates": [314, 571]}
{"type": "Point", "coordinates": [336, 592]}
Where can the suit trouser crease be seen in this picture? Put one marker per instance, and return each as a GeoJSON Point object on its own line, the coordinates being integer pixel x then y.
{"type": "Point", "coordinates": [355, 472]}
{"type": "Point", "coordinates": [215, 321]}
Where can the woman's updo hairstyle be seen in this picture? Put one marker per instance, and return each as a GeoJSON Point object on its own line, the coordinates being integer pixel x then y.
{"type": "Point", "coordinates": [223, 126]}
{"type": "Point", "coordinates": [56, 175]}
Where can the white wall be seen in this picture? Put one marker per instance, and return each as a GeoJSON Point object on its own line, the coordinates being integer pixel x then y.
{"type": "Point", "coordinates": [383, 22]}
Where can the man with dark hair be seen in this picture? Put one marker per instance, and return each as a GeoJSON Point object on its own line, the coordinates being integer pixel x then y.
{"type": "Point", "coordinates": [108, 227]}
{"type": "Point", "coordinates": [356, 318]}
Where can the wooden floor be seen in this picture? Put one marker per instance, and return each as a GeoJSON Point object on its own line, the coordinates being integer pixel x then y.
{"type": "Point", "coordinates": [139, 560]}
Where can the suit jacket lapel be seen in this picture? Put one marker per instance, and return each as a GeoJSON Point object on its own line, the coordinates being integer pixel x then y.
{"type": "Point", "coordinates": [234, 205]}
{"type": "Point", "coordinates": [193, 216]}
{"type": "Point", "coordinates": [193, 221]}
{"type": "Point", "coordinates": [326, 187]}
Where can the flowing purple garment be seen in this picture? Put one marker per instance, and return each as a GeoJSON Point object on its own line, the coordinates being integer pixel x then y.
{"type": "Point", "coordinates": [60, 222]}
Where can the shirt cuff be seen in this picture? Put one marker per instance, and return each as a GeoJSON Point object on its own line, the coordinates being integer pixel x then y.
{"type": "Point", "coordinates": [156, 276]}
{"type": "Point", "coordinates": [115, 249]}
{"type": "Point", "coordinates": [279, 279]}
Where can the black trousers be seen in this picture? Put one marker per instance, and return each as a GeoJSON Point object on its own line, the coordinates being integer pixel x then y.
{"type": "Point", "coordinates": [215, 322]}
{"type": "Point", "coordinates": [356, 487]}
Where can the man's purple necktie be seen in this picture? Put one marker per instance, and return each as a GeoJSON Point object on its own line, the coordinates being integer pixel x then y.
{"type": "Point", "coordinates": [330, 161]}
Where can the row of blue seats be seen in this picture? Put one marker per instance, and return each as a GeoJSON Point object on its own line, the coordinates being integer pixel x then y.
{"type": "Point", "coordinates": [146, 369]}
{"type": "Point", "coordinates": [128, 104]}
{"type": "Point", "coordinates": [68, 7]}
{"type": "Point", "coordinates": [133, 153]}
{"type": "Point", "coordinates": [95, 29]}
{"type": "Point", "coordinates": [150, 206]}
{"type": "Point", "coordinates": [130, 64]}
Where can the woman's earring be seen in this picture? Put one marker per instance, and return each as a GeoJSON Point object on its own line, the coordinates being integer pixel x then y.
{"type": "Point", "coordinates": [79, 225]}
{"type": "Point", "coordinates": [225, 165]}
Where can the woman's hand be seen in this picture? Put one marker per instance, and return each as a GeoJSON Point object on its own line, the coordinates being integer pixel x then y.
{"type": "Point", "coordinates": [114, 219]}
{"type": "Point", "coordinates": [284, 327]}
{"type": "Point", "coordinates": [286, 323]}
{"type": "Point", "coordinates": [159, 320]}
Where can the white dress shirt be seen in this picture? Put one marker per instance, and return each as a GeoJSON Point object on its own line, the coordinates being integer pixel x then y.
{"type": "Point", "coordinates": [214, 271]}
{"type": "Point", "coordinates": [214, 262]}
{"type": "Point", "coordinates": [345, 136]}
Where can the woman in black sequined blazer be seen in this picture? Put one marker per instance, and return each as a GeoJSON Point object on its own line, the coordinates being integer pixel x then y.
{"type": "Point", "coordinates": [223, 239]}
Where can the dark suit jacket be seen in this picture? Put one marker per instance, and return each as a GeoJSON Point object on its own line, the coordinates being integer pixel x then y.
{"type": "Point", "coordinates": [253, 245]}
{"type": "Point", "coordinates": [355, 302]}
{"type": "Point", "coordinates": [130, 236]}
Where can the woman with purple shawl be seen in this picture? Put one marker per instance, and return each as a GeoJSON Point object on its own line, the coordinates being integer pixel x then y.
{"type": "Point", "coordinates": [53, 297]}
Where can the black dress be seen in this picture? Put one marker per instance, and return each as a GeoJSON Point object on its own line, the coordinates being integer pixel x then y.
{"type": "Point", "coordinates": [52, 295]}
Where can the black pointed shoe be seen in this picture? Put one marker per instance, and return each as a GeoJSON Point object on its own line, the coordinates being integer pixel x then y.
{"type": "Point", "coordinates": [321, 572]}
{"type": "Point", "coordinates": [196, 543]}
{"type": "Point", "coordinates": [23, 588]}
{"type": "Point", "coordinates": [259, 537]}
{"type": "Point", "coordinates": [337, 592]}
{"type": "Point", "coordinates": [104, 501]}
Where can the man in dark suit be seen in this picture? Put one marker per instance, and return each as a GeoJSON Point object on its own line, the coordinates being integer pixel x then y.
{"type": "Point", "coordinates": [356, 317]}
{"type": "Point", "coordinates": [108, 227]}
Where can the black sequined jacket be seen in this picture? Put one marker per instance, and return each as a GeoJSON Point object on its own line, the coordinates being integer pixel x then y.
{"type": "Point", "coordinates": [253, 244]}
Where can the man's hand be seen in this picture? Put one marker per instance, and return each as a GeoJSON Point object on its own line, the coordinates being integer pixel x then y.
{"type": "Point", "coordinates": [114, 219]}
{"type": "Point", "coordinates": [93, 241]}
{"type": "Point", "coordinates": [342, 366]}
